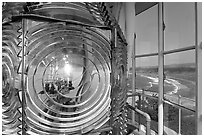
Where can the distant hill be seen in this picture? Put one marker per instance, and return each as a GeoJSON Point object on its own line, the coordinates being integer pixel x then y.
{"type": "Point", "coordinates": [170, 68]}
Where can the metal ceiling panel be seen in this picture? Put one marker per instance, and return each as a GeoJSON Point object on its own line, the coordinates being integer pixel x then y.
{"type": "Point", "coordinates": [142, 6]}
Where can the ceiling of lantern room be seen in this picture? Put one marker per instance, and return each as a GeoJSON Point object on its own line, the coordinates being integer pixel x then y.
{"type": "Point", "coordinates": [143, 6]}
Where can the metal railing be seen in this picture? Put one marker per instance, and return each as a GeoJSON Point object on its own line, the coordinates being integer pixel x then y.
{"type": "Point", "coordinates": [148, 119]}
{"type": "Point", "coordinates": [167, 101]}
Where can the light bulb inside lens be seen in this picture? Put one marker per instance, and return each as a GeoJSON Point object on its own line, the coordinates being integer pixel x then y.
{"type": "Point", "coordinates": [68, 68]}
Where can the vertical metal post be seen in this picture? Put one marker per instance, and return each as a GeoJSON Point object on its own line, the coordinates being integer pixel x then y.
{"type": "Point", "coordinates": [179, 102]}
{"type": "Point", "coordinates": [22, 80]}
{"type": "Point", "coordinates": [198, 76]}
{"type": "Point", "coordinates": [143, 99]}
{"type": "Point", "coordinates": [161, 67]}
{"type": "Point", "coordinates": [129, 28]}
{"type": "Point", "coordinates": [115, 37]}
{"type": "Point", "coordinates": [142, 109]}
{"type": "Point", "coordinates": [148, 126]}
{"type": "Point", "coordinates": [133, 79]}
{"type": "Point", "coordinates": [139, 107]}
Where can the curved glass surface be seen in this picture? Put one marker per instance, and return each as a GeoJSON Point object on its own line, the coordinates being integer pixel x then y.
{"type": "Point", "coordinates": [11, 105]}
{"type": "Point", "coordinates": [68, 79]}
{"type": "Point", "coordinates": [75, 11]}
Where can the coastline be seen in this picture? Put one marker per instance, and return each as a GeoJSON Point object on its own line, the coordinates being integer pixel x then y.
{"type": "Point", "coordinates": [172, 95]}
{"type": "Point", "coordinates": [173, 82]}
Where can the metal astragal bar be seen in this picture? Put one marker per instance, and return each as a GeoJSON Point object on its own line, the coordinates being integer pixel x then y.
{"type": "Point", "coordinates": [133, 78]}
{"type": "Point", "coordinates": [161, 68]}
{"type": "Point", "coordinates": [198, 76]}
{"type": "Point", "coordinates": [167, 52]}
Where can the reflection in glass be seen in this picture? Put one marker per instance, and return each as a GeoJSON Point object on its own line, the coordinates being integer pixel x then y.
{"type": "Point", "coordinates": [68, 81]}
{"type": "Point", "coordinates": [5, 79]}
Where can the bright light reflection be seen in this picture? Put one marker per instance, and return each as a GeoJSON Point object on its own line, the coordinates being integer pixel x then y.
{"type": "Point", "coordinates": [68, 68]}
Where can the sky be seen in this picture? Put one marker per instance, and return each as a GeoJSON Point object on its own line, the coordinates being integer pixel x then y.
{"type": "Point", "coordinates": [179, 32]}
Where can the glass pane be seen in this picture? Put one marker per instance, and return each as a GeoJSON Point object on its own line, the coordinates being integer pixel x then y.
{"type": "Point", "coordinates": [147, 62]}
{"type": "Point", "coordinates": [180, 88]}
{"type": "Point", "coordinates": [180, 72]}
{"type": "Point", "coordinates": [146, 73]}
{"type": "Point", "coordinates": [146, 83]}
{"type": "Point", "coordinates": [171, 121]}
{"type": "Point", "coordinates": [179, 21]}
{"type": "Point", "coordinates": [146, 25]}
{"type": "Point", "coordinates": [199, 22]}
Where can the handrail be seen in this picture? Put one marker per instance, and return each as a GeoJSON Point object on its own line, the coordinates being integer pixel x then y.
{"type": "Point", "coordinates": [165, 100]}
{"type": "Point", "coordinates": [148, 119]}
